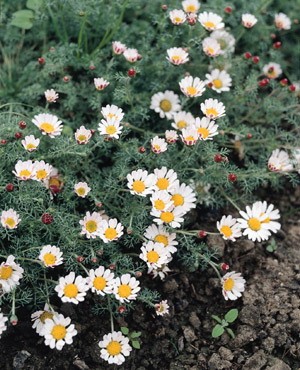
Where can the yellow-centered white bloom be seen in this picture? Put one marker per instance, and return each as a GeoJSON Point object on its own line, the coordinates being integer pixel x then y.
{"type": "Point", "coordinates": [91, 225]}
{"type": "Point", "coordinates": [192, 86]}
{"type": "Point", "coordinates": [218, 80]}
{"type": "Point", "coordinates": [82, 189]}
{"type": "Point", "coordinates": [110, 230]}
{"type": "Point", "coordinates": [177, 17]}
{"type": "Point", "coordinates": [280, 161]}
{"type": "Point", "coordinates": [110, 127]}
{"type": "Point", "coordinates": [72, 289]}
{"type": "Point", "coordinates": [183, 197]}
{"type": "Point", "coordinates": [118, 47]}
{"type": "Point", "coordinates": [161, 200]}
{"type": "Point", "coordinates": [211, 47]}
{"type": "Point", "coordinates": [140, 182]}
{"type": "Point", "coordinates": [165, 178]}
{"type": "Point", "coordinates": [101, 281]}
{"type": "Point", "coordinates": [48, 124]}
{"type": "Point", "coordinates": [213, 109]}
{"type": "Point", "coordinates": [51, 256]}
{"type": "Point", "coordinates": [190, 6]}
{"type": "Point", "coordinates": [30, 143]}
{"type": "Point", "coordinates": [229, 228]}
{"type": "Point", "coordinates": [159, 234]}
{"type": "Point", "coordinates": [183, 120]}
{"type": "Point", "coordinates": [39, 318]}
{"type": "Point", "coordinates": [114, 348]}
{"type": "Point", "coordinates": [51, 96]}
{"type": "Point", "coordinates": [233, 285]}
{"type": "Point", "coordinates": [132, 55]}
{"type": "Point", "coordinates": [58, 331]}
{"type": "Point", "coordinates": [10, 219]}
{"type": "Point", "coordinates": [112, 111]}
{"type": "Point", "coordinates": [272, 70]}
{"type": "Point", "coordinates": [282, 21]}
{"type": "Point", "coordinates": [211, 21]}
{"type": "Point", "coordinates": [253, 223]}
{"type": "Point", "coordinates": [10, 274]}
{"type": "Point", "coordinates": [177, 56]}
{"type": "Point", "coordinates": [42, 171]}
{"type": "Point", "coordinates": [270, 214]}
{"type": "Point", "coordinates": [154, 254]}
{"type": "Point", "coordinates": [225, 40]}
{"type": "Point", "coordinates": [83, 135]}
{"type": "Point", "coordinates": [162, 308]}
{"type": "Point", "coordinates": [165, 103]}
{"type": "Point", "coordinates": [158, 145]}
{"type": "Point", "coordinates": [171, 136]}
{"type": "Point", "coordinates": [172, 217]}
{"type": "Point", "coordinates": [190, 135]}
{"type": "Point", "coordinates": [126, 288]}
{"type": "Point", "coordinates": [248, 20]}
{"type": "Point", "coordinates": [3, 326]}
{"type": "Point", "coordinates": [100, 83]}
{"type": "Point", "coordinates": [206, 128]}
{"type": "Point", "coordinates": [24, 170]}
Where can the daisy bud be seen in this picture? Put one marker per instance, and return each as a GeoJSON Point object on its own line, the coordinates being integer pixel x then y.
{"type": "Point", "coordinates": [129, 231]}
{"type": "Point", "coordinates": [100, 252]}
{"type": "Point", "coordinates": [228, 10]}
{"type": "Point", "coordinates": [202, 234]}
{"type": "Point", "coordinates": [292, 88]}
{"type": "Point", "coordinates": [94, 259]}
{"type": "Point", "coordinates": [249, 136]}
{"type": "Point", "coordinates": [164, 7]}
{"type": "Point", "coordinates": [264, 82]}
{"type": "Point", "coordinates": [41, 61]}
{"type": "Point", "coordinates": [192, 19]}
{"type": "Point", "coordinates": [18, 135]}
{"type": "Point", "coordinates": [247, 55]}
{"type": "Point", "coordinates": [66, 78]}
{"type": "Point", "coordinates": [277, 45]}
{"type": "Point", "coordinates": [232, 177]}
{"type": "Point", "coordinates": [142, 149]}
{"type": "Point", "coordinates": [224, 266]}
{"type": "Point", "coordinates": [22, 125]}
{"type": "Point", "coordinates": [121, 309]}
{"type": "Point", "coordinates": [284, 82]}
{"type": "Point", "coordinates": [138, 274]}
{"type": "Point", "coordinates": [54, 189]}
{"type": "Point", "coordinates": [218, 158]}
{"type": "Point", "coordinates": [112, 266]}
{"type": "Point", "coordinates": [3, 142]}
{"type": "Point", "coordinates": [14, 320]}
{"type": "Point", "coordinates": [99, 204]}
{"type": "Point", "coordinates": [273, 36]}
{"type": "Point", "coordinates": [255, 59]}
{"type": "Point", "coordinates": [131, 72]}
{"type": "Point", "coordinates": [9, 187]}
{"type": "Point", "coordinates": [47, 218]}
{"type": "Point", "coordinates": [79, 259]}
{"type": "Point", "coordinates": [92, 67]}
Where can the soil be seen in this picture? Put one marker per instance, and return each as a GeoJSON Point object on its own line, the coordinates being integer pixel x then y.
{"type": "Point", "coordinates": [267, 329]}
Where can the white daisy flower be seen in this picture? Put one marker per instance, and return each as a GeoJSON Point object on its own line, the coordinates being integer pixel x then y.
{"type": "Point", "coordinates": [248, 20]}
{"type": "Point", "coordinates": [218, 80]}
{"type": "Point", "coordinates": [83, 135]}
{"type": "Point", "coordinates": [280, 161]}
{"type": "Point", "coordinates": [165, 179]}
{"type": "Point", "coordinates": [190, 135]}
{"type": "Point", "coordinates": [161, 200]}
{"type": "Point", "coordinates": [190, 6]}
{"type": "Point", "coordinates": [161, 272]}
{"type": "Point", "coordinates": [253, 224]}
{"type": "Point", "coordinates": [3, 326]}
{"type": "Point", "coordinates": [10, 274]}
{"type": "Point", "coordinates": [112, 111]}
{"type": "Point", "coordinates": [140, 182]}
{"type": "Point", "coordinates": [207, 129]}
{"type": "Point", "coordinates": [172, 217]}
{"type": "Point", "coordinates": [131, 55]}
{"type": "Point", "coordinates": [229, 228]}
{"type": "Point", "coordinates": [30, 143]}
{"type": "Point", "coordinates": [154, 254]}
{"type": "Point", "coordinates": [183, 197]}
{"type": "Point", "coordinates": [24, 170]}
{"type": "Point", "coordinates": [177, 17]}
{"type": "Point", "coordinates": [269, 214]}
{"type": "Point", "coordinates": [211, 21]}
{"type": "Point", "coordinates": [71, 289]}
{"type": "Point", "coordinates": [192, 86]}
{"type": "Point", "coordinates": [165, 103]}
{"type": "Point", "coordinates": [225, 40]}
{"type": "Point", "coordinates": [158, 145]}
{"type": "Point", "coordinates": [233, 285]}
{"type": "Point", "coordinates": [42, 171]}
{"type": "Point", "coordinates": [118, 47]}
{"type": "Point", "coordinates": [159, 234]}
{"type": "Point", "coordinates": [183, 120]}
{"type": "Point", "coordinates": [91, 225]}
{"type": "Point", "coordinates": [82, 189]}
{"type": "Point", "coordinates": [211, 47]}
{"type": "Point", "coordinates": [58, 331]}
{"type": "Point", "coordinates": [39, 318]}
{"type": "Point", "coordinates": [213, 109]}
{"type": "Point", "coordinates": [126, 288]}
{"type": "Point", "coordinates": [272, 70]}
{"type": "Point", "coordinates": [10, 219]}
{"type": "Point", "coordinates": [100, 83]}
{"type": "Point", "coordinates": [110, 230]}
{"type": "Point", "coordinates": [177, 56]}
{"type": "Point", "coordinates": [171, 136]}
{"type": "Point", "coordinates": [114, 348]}
{"type": "Point", "coordinates": [51, 256]}
{"type": "Point", "coordinates": [110, 127]}
{"type": "Point", "coordinates": [51, 96]}
{"type": "Point", "coordinates": [282, 21]}
{"type": "Point", "coordinates": [49, 124]}
{"type": "Point", "coordinates": [101, 281]}
{"type": "Point", "coordinates": [162, 308]}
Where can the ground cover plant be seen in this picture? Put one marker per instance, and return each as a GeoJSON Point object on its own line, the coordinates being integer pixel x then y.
{"type": "Point", "coordinates": [124, 126]}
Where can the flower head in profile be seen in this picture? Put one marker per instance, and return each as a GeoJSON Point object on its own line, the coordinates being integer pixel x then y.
{"type": "Point", "coordinates": [177, 56]}
{"type": "Point", "coordinates": [229, 228]}
{"type": "Point", "coordinates": [114, 348]}
{"type": "Point", "coordinates": [177, 17]}
{"type": "Point", "coordinates": [183, 120]}
{"type": "Point", "coordinates": [248, 20]}
{"type": "Point", "coordinates": [24, 170]}
{"type": "Point", "coordinates": [192, 86]}
{"type": "Point", "coordinates": [132, 55]}
{"type": "Point", "coordinates": [10, 219]}
{"type": "Point", "coordinates": [189, 135]}
{"type": "Point", "coordinates": [211, 47]}
{"type": "Point", "coordinates": [10, 274]}
{"type": "Point", "coordinates": [162, 308]}
{"type": "Point", "coordinates": [207, 129]}
{"type": "Point", "coordinates": [51, 96]}
{"type": "Point", "coordinates": [233, 285]}
{"type": "Point", "coordinates": [211, 21]}
{"type": "Point", "coordinates": [100, 83]}
{"type": "Point", "coordinates": [83, 135]}
{"type": "Point", "coordinates": [49, 124]}
{"type": "Point", "coordinates": [118, 47]}
{"type": "Point", "coordinates": [82, 189]}
{"type": "Point", "coordinates": [158, 145]}
{"type": "Point", "coordinates": [171, 136]}
{"type": "Point", "coordinates": [272, 70]}
{"type": "Point", "coordinates": [165, 103]}
{"type": "Point", "coordinates": [280, 161]}
{"type": "Point", "coordinates": [190, 6]}
{"type": "Point", "coordinates": [51, 256]}
{"type": "Point", "coordinates": [213, 108]}
{"type": "Point", "coordinates": [126, 288]}
{"type": "Point", "coordinates": [219, 81]}
{"type": "Point", "coordinates": [110, 112]}
{"type": "Point", "coordinates": [58, 331]}
{"type": "Point", "coordinates": [282, 21]}
{"type": "Point", "coordinates": [72, 289]}
{"type": "Point", "coordinates": [140, 182]}
{"type": "Point", "coordinates": [30, 143]}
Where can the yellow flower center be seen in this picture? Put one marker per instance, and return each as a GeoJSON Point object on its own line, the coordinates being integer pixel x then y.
{"type": "Point", "coordinates": [266, 220]}
{"type": "Point", "coordinates": [254, 224]}
{"type": "Point", "coordinates": [211, 112]}
{"type": "Point", "coordinates": [191, 90]}
{"type": "Point", "coordinates": [209, 24]}
{"type": "Point", "coordinates": [124, 291]}
{"type": "Point", "coordinates": [30, 146]}
{"type": "Point", "coordinates": [228, 284]}
{"type": "Point", "coordinates": [114, 348]}
{"type": "Point", "coordinates": [159, 204]}
{"type": "Point", "coordinates": [138, 186]}
{"type": "Point", "coordinates": [176, 58]}
{"type": "Point", "coordinates": [167, 217]}
{"type": "Point", "coordinates": [162, 183]}
{"type": "Point", "coordinates": [217, 83]}
{"type": "Point", "coordinates": [203, 132]}
{"type": "Point", "coordinates": [10, 222]}
{"type": "Point", "coordinates": [49, 259]}
{"type": "Point", "coordinates": [165, 105]}
{"type": "Point", "coordinates": [41, 174]}
{"type": "Point", "coordinates": [181, 124]}
{"type": "Point", "coordinates": [210, 51]}
{"type": "Point", "coordinates": [46, 315]}
{"type": "Point", "coordinates": [156, 148]}
{"type": "Point", "coordinates": [54, 181]}
{"type": "Point", "coordinates": [59, 332]}
{"type": "Point", "coordinates": [91, 226]}
{"type": "Point", "coordinates": [47, 127]}
{"type": "Point", "coordinates": [111, 115]}
{"type": "Point", "coordinates": [5, 272]}
{"type": "Point", "coordinates": [178, 200]}
{"type": "Point", "coordinates": [178, 19]}
{"type": "Point", "coordinates": [80, 191]}
{"type": "Point", "coordinates": [110, 233]}
{"type": "Point", "coordinates": [152, 256]}
{"type": "Point", "coordinates": [25, 173]}
{"type": "Point", "coordinates": [99, 283]}
{"type": "Point", "coordinates": [191, 9]}
{"type": "Point", "coordinates": [81, 137]}
{"type": "Point", "coordinates": [226, 231]}
{"type": "Point", "coordinates": [190, 138]}
{"type": "Point", "coordinates": [111, 129]}
{"type": "Point", "coordinates": [161, 239]}
{"type": "Point", "coordinates": [70, 290]}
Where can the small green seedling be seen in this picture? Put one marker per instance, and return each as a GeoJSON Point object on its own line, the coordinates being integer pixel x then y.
{"type": "Point", "coordinates": [222, 325]}
{"type": "Point", "coordinates": [272, 247]}
{"type": "Point", "coordinates": [133, 337]}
